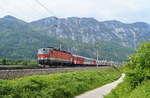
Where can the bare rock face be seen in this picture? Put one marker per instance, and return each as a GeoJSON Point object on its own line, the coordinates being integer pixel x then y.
{"type": "Point", "coordinates": [90, 30]}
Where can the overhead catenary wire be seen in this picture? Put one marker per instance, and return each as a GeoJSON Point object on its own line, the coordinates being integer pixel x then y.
{"type": "Point", "coordinates": [51, 14]}
{"type": "Point", "coordinates": [10, 12]}
{"type": "Point", "coordinates": [43, 6]}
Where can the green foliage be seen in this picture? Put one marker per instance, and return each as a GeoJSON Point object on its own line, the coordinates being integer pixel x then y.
{"type": "Point", "coordinates": [142, 91]}
{"type": "Point", "coordinates": [3, 61]}
{"type": "Point", "coordinates": [125, 90]}
{"type": "Point", "coordinates": [138, 68]}
{"type": "Point", "coordinates": [60, 85]}
{"type": "Point", "coordinates": [137, 75]}
{"type": "Point", "coordinates": [18, 62]}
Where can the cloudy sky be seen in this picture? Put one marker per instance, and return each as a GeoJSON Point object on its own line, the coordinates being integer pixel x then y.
{"type": "Point", "coordinates": [127, 11]}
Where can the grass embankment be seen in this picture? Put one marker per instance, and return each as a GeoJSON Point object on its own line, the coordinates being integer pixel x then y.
{"type": "Point", "coordinates": [60, 85]}
{"type": "Point", "coordinates": [125, 90]}
{"type": "Point", "coordinates": [137, 81]}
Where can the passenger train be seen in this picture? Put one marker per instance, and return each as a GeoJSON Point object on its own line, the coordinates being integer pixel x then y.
{"type": "Point", "coordinates": [55, 57]}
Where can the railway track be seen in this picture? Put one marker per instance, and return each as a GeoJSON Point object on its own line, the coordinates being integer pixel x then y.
{"type": "Point", "coordinates": [17, 72]}
{"type": "Point", "coordinates": [17, 67]}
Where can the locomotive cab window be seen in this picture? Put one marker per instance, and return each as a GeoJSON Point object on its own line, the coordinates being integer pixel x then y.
{"type": "Point", "coordinates": [43, 51]}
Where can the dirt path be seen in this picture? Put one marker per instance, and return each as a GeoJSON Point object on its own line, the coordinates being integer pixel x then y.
{"type": "Point", "coordinates": [104, 90]}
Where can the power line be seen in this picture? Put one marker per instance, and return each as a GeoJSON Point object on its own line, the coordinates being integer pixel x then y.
{"type": "Point", "coordinates": [42, 5]}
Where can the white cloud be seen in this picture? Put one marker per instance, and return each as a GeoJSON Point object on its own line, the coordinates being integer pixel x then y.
{"type": "Point", "coordinates": [123, 10]}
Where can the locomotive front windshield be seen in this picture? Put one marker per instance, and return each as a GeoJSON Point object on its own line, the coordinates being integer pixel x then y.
{"type": "Point", "coordinates": [43, 51]}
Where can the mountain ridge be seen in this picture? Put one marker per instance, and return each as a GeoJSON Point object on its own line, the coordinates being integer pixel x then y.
{"type": "Point", "coordinates": [90, 30]}
{"type": "Point", "coordinates": [21, 40]}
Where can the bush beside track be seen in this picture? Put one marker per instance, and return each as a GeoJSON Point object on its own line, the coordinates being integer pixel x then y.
{"type": "Point", "coordinates": [136, 83]}
{"type": "Point", "coordinates": [60, 85]}
{"type": "Point", "coordinates": [18, 62]}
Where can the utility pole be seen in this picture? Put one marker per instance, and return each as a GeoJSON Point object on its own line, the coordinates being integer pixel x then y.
{"type": "Point", "coordinates": [97, 57]}
{"type": "Point", "coordinates": [97, 54]}
{"type": "Point", "coordinates": [112, 63]}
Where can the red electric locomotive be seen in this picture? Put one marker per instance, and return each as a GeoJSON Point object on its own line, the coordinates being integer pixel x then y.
{"type": "Point", "coordinates": [51, 56]}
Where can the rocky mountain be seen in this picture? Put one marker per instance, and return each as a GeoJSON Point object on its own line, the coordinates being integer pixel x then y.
{"type": "Point", "coordinates": [21, 40]}
{"type": "Point", "coordinates": [90, 30]}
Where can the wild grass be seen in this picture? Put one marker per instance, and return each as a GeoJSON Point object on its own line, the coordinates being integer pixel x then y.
{"type": "Point", "coordinates": [60, 85]}
{"type": "Point", "coordinates": [124, 90]}
{"type": "Point", "coordinates": [137, 69]}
